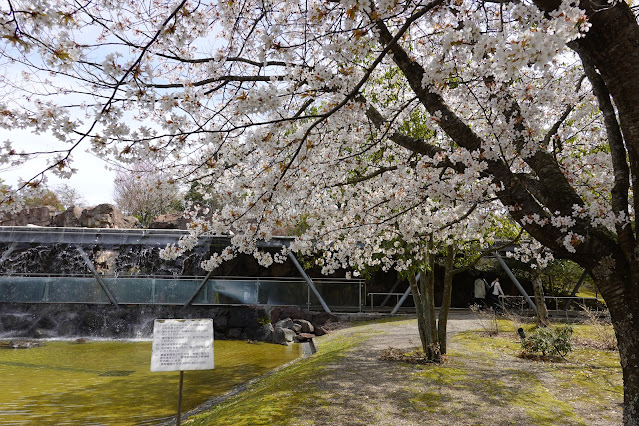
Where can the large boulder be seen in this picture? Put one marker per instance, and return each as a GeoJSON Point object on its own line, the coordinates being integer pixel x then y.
{"type": "Point", "coordinates": [306, 326]}
{"type": "Point", "coordinates": [283, 336]}
{"type": "Point", "coordinates": [265, 333]}
{"type": "Point", "coordinates": [169, 221]}
{"type": "Point", "coordinates": [106, 216]}
{"type": "Point", "coordinates": [320, 331]}
{"type": "Point", "coordinates": [69, 217]}
{"type": "Point", "coordinates": [288, 312]}
{"type": "Point", "coordinates": [285, 323]}
{"type": "Point", "coordinates": [321, 318]}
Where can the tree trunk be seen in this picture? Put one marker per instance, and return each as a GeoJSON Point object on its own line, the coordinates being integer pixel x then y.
{"type": "Point", "coordinates": [421, 315]}
{"type": "Point", "coordinates": [446, 298]}
{"type": "Point", "coordinates": [624, 312]}
{"type": "Point", "coordinates": [428, 284]}
{"type": "Point", "coordinates": [424, 298]}
{"type": "Point", "coordinates": [430, 318]}
{"type": "Point", "coordinates": [538, 289]}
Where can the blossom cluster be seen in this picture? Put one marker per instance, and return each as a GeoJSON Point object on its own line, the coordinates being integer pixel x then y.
{"type": "Point", "coordinates": [300, 120]}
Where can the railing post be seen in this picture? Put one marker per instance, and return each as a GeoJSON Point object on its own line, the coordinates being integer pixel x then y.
{"type": "Point", "coordinates": [97, 276]}
{"type": "Point", "coordinates": [404, 297]}
{"type": "Point", "coordinates": [309, 282]}
{"type": "Point", "coordinates": [515, 281]}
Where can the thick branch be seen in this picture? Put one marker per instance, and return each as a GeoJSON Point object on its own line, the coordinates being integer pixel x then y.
{"type": "Point", "coordinates": [369, 176]}
{"type": "Point", "coordinates": [621, 187]}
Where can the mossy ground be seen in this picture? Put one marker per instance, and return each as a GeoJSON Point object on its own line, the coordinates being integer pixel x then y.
{"type": "Point", "coordinates": [482, 382]}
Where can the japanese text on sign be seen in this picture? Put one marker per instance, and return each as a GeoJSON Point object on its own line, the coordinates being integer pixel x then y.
{"type": "Point", "coordinates": [182, 344]}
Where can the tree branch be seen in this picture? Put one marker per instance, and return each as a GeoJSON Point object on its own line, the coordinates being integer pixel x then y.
{"type": "Point", "coordinates": [513, 194]}
{"type": "Point", "coordinates": [621, 187]}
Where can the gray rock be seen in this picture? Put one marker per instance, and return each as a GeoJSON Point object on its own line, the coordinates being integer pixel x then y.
{"type": "Point", "coordinates": [39, 216]}
{"type": "Point", "coordinates": [320, 331]}
{"type": "Point", "coordinates": [221, 324]}
{"type": "Point", "coordinates": [242, 317]}
{"type": "Point", "coordinates": [285, 323]}
{"type": "Point", "coordinates": [296, 328]}
{"type": "Point", "coordinates": [307, 327]}
{"type": "Point", "coordinates": [69, 217]}
{"type": "Point", "coordinates": [169, 221]}
{"type": "Point", "coordinates": [106, 216]}
{"type": "Point", "coordinates": [283, 336]}
{"type": "Point", "coordinates": [304, 337]}
{"type": "Point", "coordinates": [24, 344]}
{"type": "Point", "coordinates": [265, 333]}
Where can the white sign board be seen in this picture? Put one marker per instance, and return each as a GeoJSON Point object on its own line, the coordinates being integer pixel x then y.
{"type": "Point", "coordinates": [182, 344]}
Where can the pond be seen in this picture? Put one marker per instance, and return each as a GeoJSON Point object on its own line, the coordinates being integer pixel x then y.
{"type": "Point", "coordinates": [110, 383]}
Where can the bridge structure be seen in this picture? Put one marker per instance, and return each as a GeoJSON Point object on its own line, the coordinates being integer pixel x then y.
{"type": "Point", "coordinates": [122, 266]}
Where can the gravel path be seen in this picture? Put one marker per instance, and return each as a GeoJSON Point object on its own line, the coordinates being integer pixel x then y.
{"type": "Point", "coordinates": [364, 390]}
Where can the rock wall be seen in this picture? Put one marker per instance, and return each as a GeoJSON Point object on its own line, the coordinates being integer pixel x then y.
{"type": "Point", "coordinates": [39, 216]}
{"type": "Point", "coordinates": [100, 216]}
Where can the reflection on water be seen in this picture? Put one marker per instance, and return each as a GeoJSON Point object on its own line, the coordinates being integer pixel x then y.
{"type": "Point", "coordinates": [109, 383]}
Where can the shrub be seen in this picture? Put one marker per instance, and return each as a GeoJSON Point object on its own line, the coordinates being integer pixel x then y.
{"type": "Point", "coordinates": [548, 341]}
{"type": "Point", "coordinates": [486, 319]}
{"type": "Point", "coordinates": [601, 326]}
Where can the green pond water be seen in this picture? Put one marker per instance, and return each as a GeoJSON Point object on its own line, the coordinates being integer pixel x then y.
{"type": "Point", "coordinates": [110, 383]}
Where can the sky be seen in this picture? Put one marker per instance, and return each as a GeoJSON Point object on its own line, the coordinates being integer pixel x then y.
{"type": "Point", "coordinates": [93, 180]}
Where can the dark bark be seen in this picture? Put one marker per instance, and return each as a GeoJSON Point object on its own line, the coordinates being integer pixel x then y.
{"type": "Point", "coordinates": [444, 309]}
{"type": "Point", "coordinates": [612, 47]}
{"type": "Point", "coordinates": [420, 311]}
{"type": "Point", "coordinates": [428, 283]}
{"type": "Point", "coordinates": [538, 289]}
{"type": "Point", "coordinates": [423, 290]}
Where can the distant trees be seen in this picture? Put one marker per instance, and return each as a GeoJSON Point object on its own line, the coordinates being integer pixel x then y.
{"type": "Point", "coordinates": [68, 196]}
{"type": "Point", "coordinates": [44, 197]}
{"type": "Point", "coordinates": [144, 192]}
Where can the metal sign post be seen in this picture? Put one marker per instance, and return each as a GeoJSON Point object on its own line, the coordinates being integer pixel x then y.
{"type": "Point", "coordinates": [182, 344]}
{"type": "Point", "coordinates": [178, 419]}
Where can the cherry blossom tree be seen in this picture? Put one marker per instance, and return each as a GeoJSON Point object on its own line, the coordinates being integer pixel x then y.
{"type": "Point", "coordinates": [360, 123]}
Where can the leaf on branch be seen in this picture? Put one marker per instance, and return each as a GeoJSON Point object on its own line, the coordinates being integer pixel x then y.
{"type": "Point", "coordinates": [62, 55]}
{"type": "Point", "coordinates": [14, 39]}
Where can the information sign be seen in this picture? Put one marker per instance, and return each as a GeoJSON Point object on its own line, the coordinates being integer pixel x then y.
{"type": "Point", "coordinates": [182, 344]}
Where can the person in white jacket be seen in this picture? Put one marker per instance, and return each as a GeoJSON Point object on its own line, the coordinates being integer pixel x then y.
{"type": "Point", "coordinates": [495, 292]}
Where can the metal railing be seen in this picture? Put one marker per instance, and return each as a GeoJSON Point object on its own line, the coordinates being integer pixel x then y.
{"type": "Point", "coordinates": [378, 296]}
{"type": "Point", "coordinates": [553, 303]}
